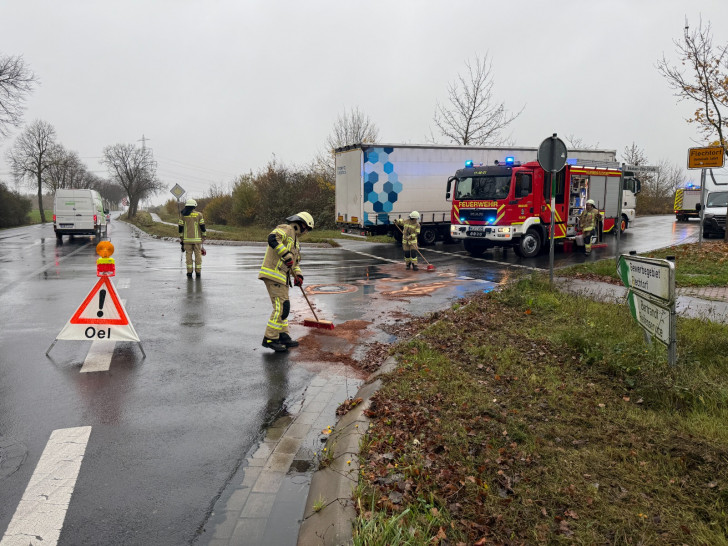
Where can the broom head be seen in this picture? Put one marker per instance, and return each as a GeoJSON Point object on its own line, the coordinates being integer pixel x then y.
{"type": "Point", "coordinates": [323, 324]}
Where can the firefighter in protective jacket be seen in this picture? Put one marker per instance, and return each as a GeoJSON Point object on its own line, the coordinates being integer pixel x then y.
{"type": "Point", "coordinates": [280, 266]}
{"type": "Point", "coordinates": [410, 231]}
{"type": "Point", "coordinates": [588, 223]}
{"type": "Point", "coordinates": [192, 235]}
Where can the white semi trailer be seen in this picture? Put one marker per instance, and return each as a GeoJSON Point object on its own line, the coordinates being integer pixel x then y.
{"type": "Point", "coordinates": [377, 183]}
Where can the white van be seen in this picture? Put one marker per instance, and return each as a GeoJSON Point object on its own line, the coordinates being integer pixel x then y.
{"type": "Point", "coordinates": [79, 212]}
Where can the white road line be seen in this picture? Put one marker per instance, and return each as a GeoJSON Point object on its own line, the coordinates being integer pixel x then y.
{"type": "Point", "coordinates": [123, 283]}
{"type": "Point", "coordinates": [38, 519]}
{"type": "Point", "coordinates": [484, 260]}
{"type": "Point", "coordinates": [98, 358]}
{"type": "Point", "coordinates": [373, 256]}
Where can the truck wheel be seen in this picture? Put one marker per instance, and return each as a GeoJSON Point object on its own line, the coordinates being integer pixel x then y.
{"type": "Point", "coordinates": [529, 245]}
{"type": "Point", "coordinates": [473, 248]}
{"type": "Point", "coordinates": [428, 236]}
{"type": "Point", "coordinates": [623, 225]}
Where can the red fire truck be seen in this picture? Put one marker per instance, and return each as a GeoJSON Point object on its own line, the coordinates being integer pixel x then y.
{"type": "Point", "coordinates": [509, 204]}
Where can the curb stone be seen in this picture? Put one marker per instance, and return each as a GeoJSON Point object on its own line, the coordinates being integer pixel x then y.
{"type": "Point", "coordinates": [334, 485]}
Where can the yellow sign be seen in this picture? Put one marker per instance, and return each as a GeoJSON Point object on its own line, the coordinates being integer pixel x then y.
{"type": "Point", "coordinates": [705, 158]}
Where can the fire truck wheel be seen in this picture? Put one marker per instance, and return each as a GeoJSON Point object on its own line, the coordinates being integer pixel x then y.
{"type": "Point", "coordinates": [529, 245]}
{"type": "Point", "coordinates": [428, 236]}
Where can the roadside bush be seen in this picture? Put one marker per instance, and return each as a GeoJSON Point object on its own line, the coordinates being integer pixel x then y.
{"type": "Point", "coordinates": [284, 191]}
{"type": "Point", "coordinates": [245, 201]}
{"type": "Point", "coordinates": [14, 208]}
{"type": "Point", "coordinates": [218, 210]}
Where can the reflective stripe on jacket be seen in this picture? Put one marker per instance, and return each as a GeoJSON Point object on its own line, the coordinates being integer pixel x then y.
{"type": "Point", "coordinates": [588, 219]}
{"type": "Point", "coordinates": [192, 227]}
{"type": "Point", "coordinates": [274, 265]}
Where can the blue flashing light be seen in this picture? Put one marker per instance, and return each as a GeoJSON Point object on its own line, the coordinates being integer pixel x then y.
{"type": "Point", "coordinates": [469, 164]}
{"type": "Point", "coordinates": [510, 160]}
{"type": "Point", "coordinates": [490, 220]}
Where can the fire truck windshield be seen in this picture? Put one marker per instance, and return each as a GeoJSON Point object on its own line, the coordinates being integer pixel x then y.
{"type": "Point", "coordinates": [483, 187]}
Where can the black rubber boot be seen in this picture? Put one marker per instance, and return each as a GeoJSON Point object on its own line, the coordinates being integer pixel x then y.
{"type": "Point", "coordinates": [287, 340]}
{"type": "Point", "coordinates": [189, 274]}
{"type": "Point", "coordinates": [274, 344]}
{"type": "Point", "coordinates": [198, 274]}
{"type": "Point", "coordinates": [414, 267]}
{"type": "Point", "coordinates": [409, 265]}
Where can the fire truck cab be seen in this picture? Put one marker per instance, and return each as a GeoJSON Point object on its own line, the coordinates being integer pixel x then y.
{"type": "Point", "coordinates": [509, 205]}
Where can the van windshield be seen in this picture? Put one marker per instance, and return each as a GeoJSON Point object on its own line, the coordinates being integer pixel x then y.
{"type": "Point", "coordinates": [483, 187]}
{"type": "Point", "coordinates": [717, 199]}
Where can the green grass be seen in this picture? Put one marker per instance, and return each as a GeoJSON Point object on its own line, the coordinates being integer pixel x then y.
{"type": "Point", "coordinates": [532, 416]}
{"type": "Point", "coordinates": [695, 265]}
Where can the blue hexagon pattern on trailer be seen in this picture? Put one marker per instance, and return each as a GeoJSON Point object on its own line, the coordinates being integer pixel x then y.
{"type": "Point", "coordinates": [388, 167]}
{"type": "Point", "coordinates": [372, 197]}
{"type": "Point", "coordinates": [387, 186]}
{"type": "Point", "coordinates": [378, 207]}
{"type": "Point", "coordinates": [373, 177]}
{"type": "Point", "coordinates": [371, 156]}
{"type": "Point", "coordinates": [368, 187]}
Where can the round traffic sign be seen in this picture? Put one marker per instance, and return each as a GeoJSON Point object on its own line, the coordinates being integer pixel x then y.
{"type": "Point", "coordinates": [552, 154]}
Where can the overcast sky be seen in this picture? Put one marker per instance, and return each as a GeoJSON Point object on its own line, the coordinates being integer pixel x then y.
{"type": "Point", "coordinates": [218, 87]}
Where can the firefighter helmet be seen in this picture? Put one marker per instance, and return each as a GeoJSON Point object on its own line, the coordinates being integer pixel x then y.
{"type": "Point", "coordinates": [304, 217]}
{"type": "Point", "coordinates": [190, 203]}
{"type": "Point", "coordinates": [415, 215]}
{"type": "Point", "coordinates": [591, 202]}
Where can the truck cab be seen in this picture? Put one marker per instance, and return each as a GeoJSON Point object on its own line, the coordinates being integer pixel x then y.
{"type": "Point", "coordinates": [714, 214]}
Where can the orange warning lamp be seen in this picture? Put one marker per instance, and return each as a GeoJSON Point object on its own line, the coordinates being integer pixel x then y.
{"type": "Point", "coordinates": [105, 249]}
{"type": "Point", "coordinates": [105, 266]}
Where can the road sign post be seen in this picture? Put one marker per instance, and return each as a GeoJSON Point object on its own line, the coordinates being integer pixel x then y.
{"type": "Point", "coordinates": [651, 298]}
{"type": "Point", "coordinates": [552, 157]}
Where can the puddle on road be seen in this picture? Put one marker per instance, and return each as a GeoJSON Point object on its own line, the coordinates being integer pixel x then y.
{"type": "Point", "coordinates": [337, 345]}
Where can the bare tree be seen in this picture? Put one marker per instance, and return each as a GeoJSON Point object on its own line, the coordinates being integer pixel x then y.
{"type": "Point", "coordinates": [30, 156]}
{"type": "Point", "coordinates": [135, 170]}
{"type": "Point", "coordinates": [702, 77]}
{"type": "Point", "coordinates": [577, 143]}
{"type": "Point", "coordinates": [472, 117]}
{"type": "Point", "coordinates": [352, 128]}
{"type": "Point", "coordinates": [66, 170]}
{"type": "Point", "coordinates": [16, 81]}
{"type": "Point", "coordinates": [634, 155]}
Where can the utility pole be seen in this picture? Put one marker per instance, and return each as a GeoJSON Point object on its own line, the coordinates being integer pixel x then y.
{"type": "Point", "coordinates": [143, 140]}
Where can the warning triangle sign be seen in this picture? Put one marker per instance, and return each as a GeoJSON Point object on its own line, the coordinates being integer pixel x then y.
{"type": "Point", "coordinates": [101, 306]}
{"type": "Point", "coordinates": [100, 316]}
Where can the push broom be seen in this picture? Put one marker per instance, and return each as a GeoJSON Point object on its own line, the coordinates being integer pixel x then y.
{"type": "Point", "coordinates": [315, 322]}
{"type": "Point", "coordinates": [430, 267]}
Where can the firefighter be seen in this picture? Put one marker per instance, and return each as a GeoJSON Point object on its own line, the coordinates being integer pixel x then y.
{"type": "Point", "coordinates": [280, 264]}
{"type": "Point", "coordinates": [191, 236]}
{"type": "Point", "coordinates": [410, 231]}
{"type": "Point", "coordinates": [588, 223]}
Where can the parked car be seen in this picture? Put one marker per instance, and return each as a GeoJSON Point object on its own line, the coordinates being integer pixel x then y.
{"type": "Point", "coordinates": [714, 214]}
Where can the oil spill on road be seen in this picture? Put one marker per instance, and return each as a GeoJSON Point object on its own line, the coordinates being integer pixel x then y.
{"type": "Point", "coordinates": [334, 346]}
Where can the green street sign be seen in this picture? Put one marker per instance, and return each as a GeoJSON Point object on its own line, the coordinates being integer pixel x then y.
{"type": "Point", "coordinates": [654, 318]}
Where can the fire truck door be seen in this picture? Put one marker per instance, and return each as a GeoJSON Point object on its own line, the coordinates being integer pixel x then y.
{"type": "Point", "coordinates": [523, 195]}
{"type": "Point", "coordinates": [561, 211]}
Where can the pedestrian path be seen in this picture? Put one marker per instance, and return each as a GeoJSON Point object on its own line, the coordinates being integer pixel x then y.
{"type": "Point", "coordinates": [264, 504]}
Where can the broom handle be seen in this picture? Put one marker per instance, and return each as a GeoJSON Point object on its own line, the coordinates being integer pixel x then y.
{"type": "Point", "coordinates": [309, 303]}
{"type": "Point", "coordinates": [417, 249]}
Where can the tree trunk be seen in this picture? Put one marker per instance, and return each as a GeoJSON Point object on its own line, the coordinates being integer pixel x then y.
{"type": "Point", "coordinates": [40, 200]}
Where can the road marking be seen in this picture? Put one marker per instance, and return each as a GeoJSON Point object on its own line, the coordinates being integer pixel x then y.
{"type": "Point", "coordinates": [483, 260]}
{"type": "Point", "coordinates": [123, 283]}
{"type": "Point", "coordinates": [98, 358]}
{"type": "Point", "coordinates": [38, 519]}
{"type": "Point", "coordinates": [373, 256]}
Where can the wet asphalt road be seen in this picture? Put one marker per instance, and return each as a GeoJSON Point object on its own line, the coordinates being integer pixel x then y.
{"type": "Point", "coordinates": [168, 431]}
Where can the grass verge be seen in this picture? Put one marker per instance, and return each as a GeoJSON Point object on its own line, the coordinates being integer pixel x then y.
{"type": "Point", "coordinates": [695, 265]}
{"type": "Point", "coordinates": [529, 416]}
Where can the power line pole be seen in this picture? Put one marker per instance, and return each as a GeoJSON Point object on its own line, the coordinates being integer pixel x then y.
{"type": "Point", "coordinates": [143, 140]}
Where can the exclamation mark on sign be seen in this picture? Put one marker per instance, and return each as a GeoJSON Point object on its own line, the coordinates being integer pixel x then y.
{"type": "Point", "coordinates": [102, 297]}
